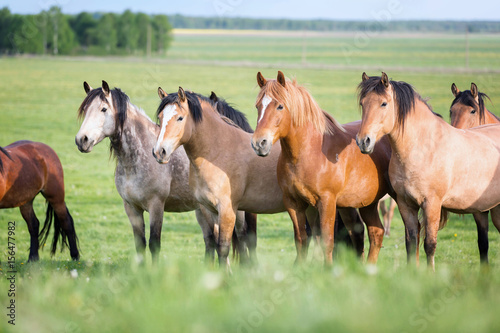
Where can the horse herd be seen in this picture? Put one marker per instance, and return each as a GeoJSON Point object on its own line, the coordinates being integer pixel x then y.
{"type": "Point", "coordinates": [204, 156]}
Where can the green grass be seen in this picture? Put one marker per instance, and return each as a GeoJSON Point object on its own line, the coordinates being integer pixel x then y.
{"type": "Point", "coordinates": [39, 98]}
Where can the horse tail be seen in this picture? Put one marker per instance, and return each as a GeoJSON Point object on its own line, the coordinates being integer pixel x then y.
{"type": "Point", "coordinates": [444, 218]}
{"type": "Point", "coordinates": [59, 232]}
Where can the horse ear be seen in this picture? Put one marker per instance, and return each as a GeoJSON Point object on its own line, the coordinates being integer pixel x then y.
{"type": "Point", "coordinates": [161, 93]}
{"type": "Point", "coordinates": [182, 95]}
{"type": "Point", "coordinates": [281, 78]}
{"type": "Point", "coordinates": [454, 90]}
{"type": "Point", "coordinates": [385, 80]}
{"type": "Point", "coordinates": [364, 77]}
{"type": "Point", "coordinates": [261, 80]}
{"type": "Point", "coordinates": [213, 97]}
{"type": "Point", "coordinates": [87, 87]}
{"type": "Point", "coordinates": [473, 90]}
{"type": "Point", "coordinates": [105, 87]}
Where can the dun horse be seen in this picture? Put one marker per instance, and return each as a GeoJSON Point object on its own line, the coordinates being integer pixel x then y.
{"type": "Point", "coordinates": [468, 110]}
{"type": "Point", "coordinates": [225, 173]}
{"type": "Point", "coordinates": [434, 166]}
{"type": "Point", "coordinates": [26, 169]}
{"type": "Point", "coordinates": [143, 184]}
{"type": "Point", "coordinates": [319, 164]}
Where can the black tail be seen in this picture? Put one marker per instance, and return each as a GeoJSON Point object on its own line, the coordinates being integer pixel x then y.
{"type": "Point", "coordinates": [59, 232]}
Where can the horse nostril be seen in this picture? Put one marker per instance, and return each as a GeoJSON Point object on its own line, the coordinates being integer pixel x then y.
{"type": "Point", "coordinates": [263, 143]}
{"type": "Point", "coordinates": [367, 141]}
{"type": "Point", "coordinates": [163, 152]}
{"type": "Point", "coordinates": [85, 139]}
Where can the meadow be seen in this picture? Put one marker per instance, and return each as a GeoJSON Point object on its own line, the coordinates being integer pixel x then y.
{"type": "Point", "coordinates": [108, 291]}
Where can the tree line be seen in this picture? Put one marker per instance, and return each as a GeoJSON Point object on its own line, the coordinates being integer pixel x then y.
{"type": "Point", "coordinates": [52, 32]}
{"type": "Point", "coordinates": [188, 22]}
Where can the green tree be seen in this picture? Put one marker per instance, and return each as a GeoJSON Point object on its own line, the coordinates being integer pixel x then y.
{"type": "Point", "coordinates": [105, 32]}
{"type": "Point", "coordinates": [128, 34]}
{"type": "Point", "coordinates": [163, 33]}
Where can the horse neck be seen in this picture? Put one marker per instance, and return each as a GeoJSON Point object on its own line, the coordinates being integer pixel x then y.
{"type": "Point", "coordinates": [421, 131]}
{"type": "Point", "coordinates": [209, 136]}
{"type": "Point", "coordinates": [490, 118]}
{"type": "Point", "coordinates": [138, 136]}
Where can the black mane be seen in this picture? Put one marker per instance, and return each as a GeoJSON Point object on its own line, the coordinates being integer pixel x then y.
{"type": "Point", "coordinates": [465, 97]}
{"type": "Point", "coordinates": [222, 107]}
{"type": "Point", "coordinates": [120, 104]}
{"type": "Point", "coordinates": [1, 163]}
{"type": "Point", "coordinates": [404, 94]}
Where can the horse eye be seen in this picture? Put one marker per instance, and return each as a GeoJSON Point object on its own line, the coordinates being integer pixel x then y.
{"type": "Point", "coordinates": [103, 110]}
{"type": "Point", "coordinates": [180, 119]}
{"type": "Point", "coordinates": [473, 111]}
{"type": "Point", "coordinates": [280, 107]}
{"type": "Point", "coordinates": [384, 104]}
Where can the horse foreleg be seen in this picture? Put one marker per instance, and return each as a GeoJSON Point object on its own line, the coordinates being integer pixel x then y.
{"type": "Point", "coordinates": [226, 221]}
{"type": "Point", "coordinates": [298, 217]}
{"type": "Point", "coordinates": [327, 212]}
{"type": "Point", "coordinates": [482, 235]}
{"type": "Point", "coordinates": [251, 223]}
{"type": "Point", "coordinates": [155, 225]}
{"type": "Point", "coordinates": [136, 219]}
{"type": "Point", "coordinates": [369, 214]}
{"type": "Point", "coordinates": [409, 215]}
{"type": "Point", "coordinates": [495, 217]}
{"type": "Point", "coordinates": [432, 215]}
{"type": "Point", "coordinates": [355, 228]}
{"type": "Point", "coordinates": [388, 217]}
{"type": "Point", "coordinates": [33, 226]}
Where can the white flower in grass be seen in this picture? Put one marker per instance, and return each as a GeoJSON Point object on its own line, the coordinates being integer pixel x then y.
{"type": "Point", "coordinates": [73, 273]}
{"type": "Point", "coordinates": [211, 280]}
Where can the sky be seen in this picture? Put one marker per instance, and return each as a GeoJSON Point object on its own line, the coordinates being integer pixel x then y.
{"type": "Point", "coordinates": [292, 9]}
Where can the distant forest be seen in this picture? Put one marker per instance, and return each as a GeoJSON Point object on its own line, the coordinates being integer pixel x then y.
{"type": "Point", "coordinates": [185, 22]}
{"type": "Point", "coordinates": [128, 33]}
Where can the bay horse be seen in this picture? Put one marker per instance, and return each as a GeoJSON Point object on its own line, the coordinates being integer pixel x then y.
{"type": "Point", "coordinates": [143, 184]}
{"type": "Point", "coordinates": [225, 173]}
{"type": "Point", "coordinates": [468, 110]}
{"type": "Point", "coordinates": [26, 169]}
{"type": "Point", "coordinates": [319, 164]}
{"type": "Point", "coordinates": [433, 166]}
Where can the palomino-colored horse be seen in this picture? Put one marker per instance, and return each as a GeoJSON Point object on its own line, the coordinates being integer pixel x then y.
{"type": "Point", "coordinates": [143, 184]}
{"type": "Point", "coordinates": [26, 169]}
{"type": "Point", "coordinates": [319, 164]}
{"type": "Point", "coordinates": [434, 166]}
{"type": "Point", "coordinates": [225, 173]}
{"type": "Point", "coordinates": [468, 110]}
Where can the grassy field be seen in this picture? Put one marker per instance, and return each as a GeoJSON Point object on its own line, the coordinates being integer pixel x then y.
{"type": "Point", "coordinates": [106, 291]}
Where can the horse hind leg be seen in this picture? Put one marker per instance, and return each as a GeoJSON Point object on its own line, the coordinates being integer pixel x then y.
{"type": "Point", "coordinates": [33, 226]}
{"type": "Point", "coordinates": [136, 218]}
{"type": "Point", "coordinates": [495, 217]}
{"type": "Point", "coordinates": [65, 227]}
{"type": "Point", "coordinates": [482, 235]}
{"type": "Point", "coordinates": [207, 220]}
{"type": "Point", "coordinates": [355, 228]}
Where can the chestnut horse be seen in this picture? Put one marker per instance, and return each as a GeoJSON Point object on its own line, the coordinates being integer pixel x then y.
{"type": "Point", "coordinates": [319, 164]}
{"type": "Point", "coordinates": [467, 110]}
{"type": "Point", "coordinates": [225, 174]}
{"type": "Point", "coordinates": [143, 184]}
{"type": "Point", "coordinates": [26, 169]}
{"type": "Point", "coordinates": [434, 166]}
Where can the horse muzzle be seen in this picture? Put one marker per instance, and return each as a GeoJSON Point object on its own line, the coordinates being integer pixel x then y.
{"type": "Point", "coordinates": [365, 144]}
{"type": "Point", "coordinates": [161, 155]}
{"type": "Point", "coordinates": [84, 144]}
{"type": "Point", "coordinates": [262, 147]}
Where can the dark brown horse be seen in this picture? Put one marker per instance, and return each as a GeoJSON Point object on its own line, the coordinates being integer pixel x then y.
{"type": "Point", "coordinates": [468, 110]}
{"type": "Point", "coordinates": [26, 169]}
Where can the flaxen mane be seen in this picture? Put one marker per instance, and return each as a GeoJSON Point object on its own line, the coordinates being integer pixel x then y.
{"type": "Point", "coordinates": [465, 97]}
{"type": "Point", "coordinates": [301, 105]}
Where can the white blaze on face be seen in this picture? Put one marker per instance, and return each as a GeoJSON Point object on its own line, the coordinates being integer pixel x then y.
{"type": "Point", "coordinates": [168, 113]}
{"type": "Point", "coordinates": [265, 102]}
